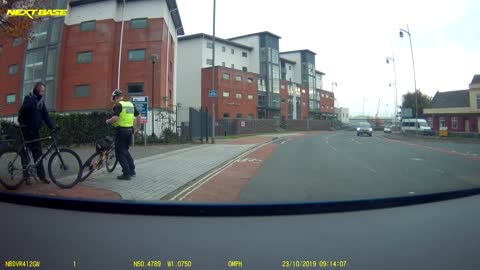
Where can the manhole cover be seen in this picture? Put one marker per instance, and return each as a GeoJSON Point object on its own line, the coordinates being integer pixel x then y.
{"type": "Point", "coordinates": [417, 159]}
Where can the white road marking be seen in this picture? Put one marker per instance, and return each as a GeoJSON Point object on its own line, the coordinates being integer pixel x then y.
{"type": "Point", "coordinates": [372, 170]}
{"type": "Point", "coordinates": [334, 149]}
{"type": "Point", "coordinates": [353, 140]}
{"type": "Point", "coordinates": [285, 141]}
{"type": "Point", "coordinates": [184, 193]}
{"type": "Point", "coordinates": [411, 192]}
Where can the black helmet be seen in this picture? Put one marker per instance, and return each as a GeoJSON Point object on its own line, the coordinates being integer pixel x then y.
{"type": "Point", "coordinates": [117, 92]}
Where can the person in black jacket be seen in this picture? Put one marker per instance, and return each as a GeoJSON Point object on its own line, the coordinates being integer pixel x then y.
{"type": "Point", "coordinates": [32, 113]}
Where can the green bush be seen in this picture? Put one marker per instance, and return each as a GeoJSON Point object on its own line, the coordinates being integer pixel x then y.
{"type": "Point", "coordinates": [77, 128]}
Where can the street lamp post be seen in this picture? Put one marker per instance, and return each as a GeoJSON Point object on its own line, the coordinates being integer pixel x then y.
{"type": "Point", "coordinates": [153, 59]}
{"type": "Point", "coordinates": [334, 113]}
{"type": "Point", "coordinates": [414, 77]}
{"type": "Point", "coordinates": [396, 90]}
{"type": "Point", "coordinates": [213, 72]}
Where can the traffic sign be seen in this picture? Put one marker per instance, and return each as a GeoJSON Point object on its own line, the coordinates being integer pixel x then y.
{"type": "Point", "coordinates": [141, 104]}
{"type": "Point", "coordinates": [212, 93]}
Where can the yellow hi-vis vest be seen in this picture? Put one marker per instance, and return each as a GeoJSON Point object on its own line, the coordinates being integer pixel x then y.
{"type": "Point", "coordinates": [126, 117]}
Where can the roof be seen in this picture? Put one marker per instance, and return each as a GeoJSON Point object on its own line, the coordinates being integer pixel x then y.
{"type": "Point", "coordinates": [451, 99]}
{"type": "Point", "coordinates": [287, 60]}
{"type": "Point", "coordinates": [172, 7]}
{"type": "Point", "coordinates": [319, 72]}
{"type": "Point", "coordinates": [476, 79]}
{"type": "Point", "coordinates": [206, 36]}
{"type": "Point", "coordinates": [299, 51]}
{"type": "Point", "coordinates": [256, 34]}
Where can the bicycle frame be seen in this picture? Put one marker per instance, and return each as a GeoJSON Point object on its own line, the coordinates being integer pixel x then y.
{"type": "Point", "coordinates": [23, 147]}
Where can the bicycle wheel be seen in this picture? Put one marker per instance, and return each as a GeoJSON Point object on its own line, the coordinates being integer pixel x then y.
{"type": "Point", "coordinates": [65, 168]}
{"type": "Point", "coordinates": [11, 169]}
{"type": "Point", "coordinates": [92, 164]}
{"type": "Point", "coordinates": [111, 161]}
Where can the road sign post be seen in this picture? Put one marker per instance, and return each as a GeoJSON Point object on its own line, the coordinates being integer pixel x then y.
{"type": "Point", "coordinates": [141, 104]}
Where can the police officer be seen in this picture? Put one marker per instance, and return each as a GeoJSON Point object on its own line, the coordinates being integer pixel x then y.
{"type": "Point", "coordinates": [123, 119]}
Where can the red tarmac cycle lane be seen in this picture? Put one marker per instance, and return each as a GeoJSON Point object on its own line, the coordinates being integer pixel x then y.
{"type": "Point", "coordinates": [227, 185]}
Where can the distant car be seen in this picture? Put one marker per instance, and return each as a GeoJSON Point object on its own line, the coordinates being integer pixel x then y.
{"type": "Point", "coordinates": [387, 129]}
{"type": "Point", "coordinates": [364, 128]}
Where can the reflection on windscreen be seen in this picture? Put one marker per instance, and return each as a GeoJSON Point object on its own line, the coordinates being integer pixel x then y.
{"type": "Point", "coordinates": [296, 116]}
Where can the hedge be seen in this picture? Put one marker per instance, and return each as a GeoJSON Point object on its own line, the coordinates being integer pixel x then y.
{"type": "Point", "coordinates": [75, 128]}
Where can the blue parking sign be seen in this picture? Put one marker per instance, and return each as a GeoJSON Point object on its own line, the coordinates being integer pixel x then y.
{"type": "Point", "coordinates": [141, 103]}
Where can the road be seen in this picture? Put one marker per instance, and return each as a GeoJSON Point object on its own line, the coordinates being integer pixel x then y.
{"type": "Point", "coordinates": [342, 166]}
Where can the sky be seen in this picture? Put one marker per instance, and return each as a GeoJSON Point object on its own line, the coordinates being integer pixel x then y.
{"type": "Point", "coordinates": [353, 38]}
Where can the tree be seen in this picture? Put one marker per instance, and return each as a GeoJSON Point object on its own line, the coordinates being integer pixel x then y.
{"type": "Point", "coordinates": [424, 101]}
{"type": "Point", "coordinates": [22, 26]}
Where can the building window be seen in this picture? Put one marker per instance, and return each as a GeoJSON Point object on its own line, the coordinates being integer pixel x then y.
{"type": "Point", "coordinates": [40, 31]}
{"type": "Point", "coordinates": [33, 71]}
{"type": "Point", "coordinates": [238, 96]}
{"type": "Point", "coordinates": [289, 67]}
{"type": "Point", "coordinates": [135, 89]}
{"type": "Point", "coordinates": [454, 122]}
{"type": "Point", "coordinates": [238, 78]}
{"type": "Point", "coordinates": [442, 122]}
{"type": "Point", "coordinates": [210, 45]}
{"type": "Point", "coordinates": [16, 42]}
{"type": "Point", "coordinates": [12, 69]}
{"type": "Point", "coordinates": [9, 99]}
{"type": "Point", "coordinates": [430, 121]}
{"type": "Point", "coordinates": [249, 80]}
{"type": "Point", "coordinates": [226, 94]}
{"type": "Point", "coordinates": [136, 55]}
{"type": "Point", "coordinates": [223, 49]}
{"type": "Point", "coordinates": [303, 91]}
{"type": "Point", "coordinates": [239, 115]}
{"type": "Point", "coordinates": [478, 101]}
{"type": "Point", "coordinates": [88, 26]}
{"type": "Point", "coordinates": [226, 115]}
{"type": "Point", "coordinates": [56, 31]}
{"type": "Point", "coordinates": [233, 51]}
{"type": "Point", "coordinates": [250, 116]}
{"type": "Point", "coordinates": [223, 64]}
{"type": "Point", "coordinates": [282, 86]}
{"type": "Point", "coordinates": [81, 91]}
{"type": "Point", "coordinates": [244, 69]}
{"type": "Point", "coordinates": [139, 23]}
{"type": "Point", "coordinates": [233, 65]}
{"type": "Point", "coordinates": [226, 76]}
{"type": "Point", "coordinates": [1, 49]}
{"type": "Point", "coordinates": [244, 54]}
{"type": "Point", "coordinates": [84, 57]}
{"type": "Point", "coordinates": [250, 97]}
{"type": "Point", "coordinates": [209, 62]}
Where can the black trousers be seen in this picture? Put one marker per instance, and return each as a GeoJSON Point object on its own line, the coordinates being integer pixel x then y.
{"type": "Point", "coordinates": [123, 139]}
{"type": "Point", "coordinates": [36, 149]}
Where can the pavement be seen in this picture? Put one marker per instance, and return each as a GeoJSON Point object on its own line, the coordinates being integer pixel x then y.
{"type": "Point", "coordinates": [161, 170]}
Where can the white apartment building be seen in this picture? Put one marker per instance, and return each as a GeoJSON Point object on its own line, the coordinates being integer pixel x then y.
{"type": "Point", "coordinates": [195, 53]}
{"type": "Point", "coordinates": [343, 115]}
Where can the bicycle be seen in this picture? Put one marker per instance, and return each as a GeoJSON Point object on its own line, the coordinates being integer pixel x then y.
{"type": "Point", "coordinates": [61, 164]}
{"type": "Point", "coordinates": [103, 155]}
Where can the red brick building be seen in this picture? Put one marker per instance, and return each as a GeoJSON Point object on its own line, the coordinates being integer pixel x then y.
{"type": "Point", "coordinates": [77, 56]}
{"type": "Point", "coordinates": [284, 99]}
{"type": "Point", "coordinates": [237, 93]}
{"type": "Point", "coordinates": [327, 109]}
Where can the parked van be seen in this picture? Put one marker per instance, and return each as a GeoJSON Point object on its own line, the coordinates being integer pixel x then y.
{"type": "Point", "coordinates": [409, 124]}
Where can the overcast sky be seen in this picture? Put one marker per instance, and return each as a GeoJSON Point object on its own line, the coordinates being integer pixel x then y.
{"type": "Point", "coordinates": [353, 38]}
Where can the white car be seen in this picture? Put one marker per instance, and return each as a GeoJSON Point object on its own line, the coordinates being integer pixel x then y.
{"type": "Point", "coordinates": [387, 129]}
